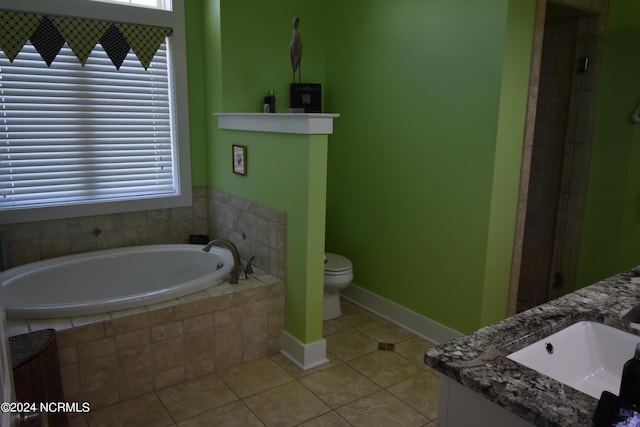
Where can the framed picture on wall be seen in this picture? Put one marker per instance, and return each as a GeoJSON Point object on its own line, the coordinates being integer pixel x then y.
{"type": "Point", "coordinates": [239, 159]}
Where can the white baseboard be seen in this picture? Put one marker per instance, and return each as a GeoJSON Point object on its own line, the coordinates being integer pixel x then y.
{"type": "Point", "coordinates": [304, 356]}
{"type": "Point", "coordinates": [424, 327]}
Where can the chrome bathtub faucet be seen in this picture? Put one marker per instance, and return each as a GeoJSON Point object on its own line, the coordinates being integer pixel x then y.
{"type": "Point", "coordinates": [234, 275]}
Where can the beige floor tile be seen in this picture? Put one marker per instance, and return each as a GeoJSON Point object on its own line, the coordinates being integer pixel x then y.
{"type": "Point", "coordinates": [385, 367]}
{"type": "Point", "coordinates": [414, 349]}
{"type": "Point", "coordinates": [381, 409]}
{"type": "Point", "coordinates": [355, 316]}
{"type": "Point", "coordinates": [421, 392]}
{"type": "Point", "coordinates": [254, 377]}
{"type": "Point", "coordinates": [350, 308]}
{"type": "Point", "coordinates": [332, 326]}
{"type": "Point", "coordinates": [275, 392]}
{"type": "Point", "coordinates": [235, 414]}
{"type": "Point", "coordinates": [339, 385]}
{"type": "Point", "coordinates": [331, 419]}
{"type": "Point", "coordinates": [286, 405]}
{"type": "Point", "coordinates": [290, 368]}
{"type": "Point", "coordinates": [384, 331]}
{"type": "Point", "coordinates": [194, 397]}
{"type": "Point", "coordinates": [146, 410]}
{"type": "Point", "coordinates": [350, 344]}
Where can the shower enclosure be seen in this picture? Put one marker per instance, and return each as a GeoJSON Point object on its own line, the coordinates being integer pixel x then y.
{"type": "Point", "coordinates": [567, 49]}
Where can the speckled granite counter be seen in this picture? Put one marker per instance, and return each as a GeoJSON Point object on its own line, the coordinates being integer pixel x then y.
{"type": "Point", "coordinates": [478, 361]}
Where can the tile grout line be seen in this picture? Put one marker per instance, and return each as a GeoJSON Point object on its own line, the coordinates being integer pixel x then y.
{"type": "Point", "coordinates": [242, 399]}
{"type": "Point", "coordinates": [175, 422]}
{"type": "Point", "coordinates": [385, 388]}
{"type": "Point", "coordinates": [283, 368]}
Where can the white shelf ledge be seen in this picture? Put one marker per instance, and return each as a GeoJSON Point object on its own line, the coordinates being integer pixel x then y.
{"type": "Point", "coordinates": [300, 123]}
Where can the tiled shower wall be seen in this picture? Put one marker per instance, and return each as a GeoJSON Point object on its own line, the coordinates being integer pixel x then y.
{"type": "Point", "coordinates": [577, 156]}
{"type": "Point", "coordinates": [257, 230]}
{"type": "Point", "coordinates": [560, 150]}
{"type": "Point", "coordinates": [554, 96]}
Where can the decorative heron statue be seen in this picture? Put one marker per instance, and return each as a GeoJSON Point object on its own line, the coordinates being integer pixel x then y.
{"type": "Point", "coordinates": [295, 50]}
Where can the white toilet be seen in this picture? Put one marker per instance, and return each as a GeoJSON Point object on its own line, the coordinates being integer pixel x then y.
{"type": "Point", "coordinates": [338, 274]}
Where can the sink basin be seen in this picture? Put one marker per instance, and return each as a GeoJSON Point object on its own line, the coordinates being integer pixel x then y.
{"type": "Point", "coordinates": [587, 356]}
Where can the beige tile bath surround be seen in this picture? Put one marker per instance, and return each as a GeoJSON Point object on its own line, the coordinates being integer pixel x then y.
{"type": "Point", "coordinates": [123, 355]}
{"type": "Point", "coordinates": [272, 391]}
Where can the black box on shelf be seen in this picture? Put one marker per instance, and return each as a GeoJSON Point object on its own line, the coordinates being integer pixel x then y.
{"type": "Point", "coordinates": [307, 96]}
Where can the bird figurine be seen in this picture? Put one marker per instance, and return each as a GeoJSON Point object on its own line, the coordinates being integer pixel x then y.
{"type": "Point", "coordinates": [295, 49]}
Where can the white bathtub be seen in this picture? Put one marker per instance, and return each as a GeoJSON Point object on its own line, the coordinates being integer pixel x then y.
{"type": "Point", "coordinates": [110, 280]}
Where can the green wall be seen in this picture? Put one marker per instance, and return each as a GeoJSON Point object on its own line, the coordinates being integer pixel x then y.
{"type": "Point", "coordinates": [239, 53]}
{"type": "Point", "coordinates": [255, 48]}
{"type": "Point", "coordinates": [285, 171]}
{"type": "Point", "coordinates": [423, 165]}
{"type": "Point", "coordinates": [424, 162]}
{"type": "Point", "coordinates": [611, 233]}
{"type": "Point", "coordinates": [509, 144]}
{"type": "Point", "coordinates": [425, 90]}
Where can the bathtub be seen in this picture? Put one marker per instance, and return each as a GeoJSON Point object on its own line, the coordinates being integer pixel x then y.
{"type": "Point", "coordinates": [109, 280]}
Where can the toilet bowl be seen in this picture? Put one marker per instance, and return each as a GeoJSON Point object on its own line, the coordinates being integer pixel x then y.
{"type": "Point", "coordinates": [338, 274]}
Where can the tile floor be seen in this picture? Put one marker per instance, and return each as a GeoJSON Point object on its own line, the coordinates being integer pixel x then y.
{"type": "Point", "coordinates": [361, 386]}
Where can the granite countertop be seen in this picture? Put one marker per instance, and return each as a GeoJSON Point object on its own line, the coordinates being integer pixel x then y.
{"type": "Point", "coordinates": [478, 361]}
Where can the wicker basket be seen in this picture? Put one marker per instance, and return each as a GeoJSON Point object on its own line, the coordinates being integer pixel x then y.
{"type": "Point", "coordinates": [36, 371]}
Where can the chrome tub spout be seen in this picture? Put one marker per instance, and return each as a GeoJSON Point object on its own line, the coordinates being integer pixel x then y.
{"type": "Point", "coordinates": [237, 264]}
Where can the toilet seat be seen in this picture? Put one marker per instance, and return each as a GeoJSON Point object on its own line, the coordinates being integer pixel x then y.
{"type": "Point", "coordinates": [337, 265]}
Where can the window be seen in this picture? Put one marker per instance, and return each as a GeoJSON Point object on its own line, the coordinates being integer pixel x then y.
{"type": "Point", "coordinates": [85, 140]}
{"type": "Point", "coordinates": [74, 134]}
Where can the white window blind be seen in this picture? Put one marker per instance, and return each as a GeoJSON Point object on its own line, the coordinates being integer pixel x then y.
{"type": "Point", "coordinates": [71, 134]}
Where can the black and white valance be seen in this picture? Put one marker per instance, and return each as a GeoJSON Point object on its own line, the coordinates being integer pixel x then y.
{"type": "Point", "coordinates": [48, 33]}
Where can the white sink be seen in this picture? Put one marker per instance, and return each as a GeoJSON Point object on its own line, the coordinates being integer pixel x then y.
{"type": "Point", "coordinates": [587, 356]}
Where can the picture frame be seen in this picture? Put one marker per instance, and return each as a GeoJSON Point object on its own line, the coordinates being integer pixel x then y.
{"type": "Point", "coordinates": [239, 159]}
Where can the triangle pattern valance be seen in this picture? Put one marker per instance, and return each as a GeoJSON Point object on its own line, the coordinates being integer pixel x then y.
{"type": "Point", "coordinates": [49, 33]}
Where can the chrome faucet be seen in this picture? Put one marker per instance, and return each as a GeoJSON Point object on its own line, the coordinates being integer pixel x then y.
{"type": "Point", "coordinates": [237, 264]}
